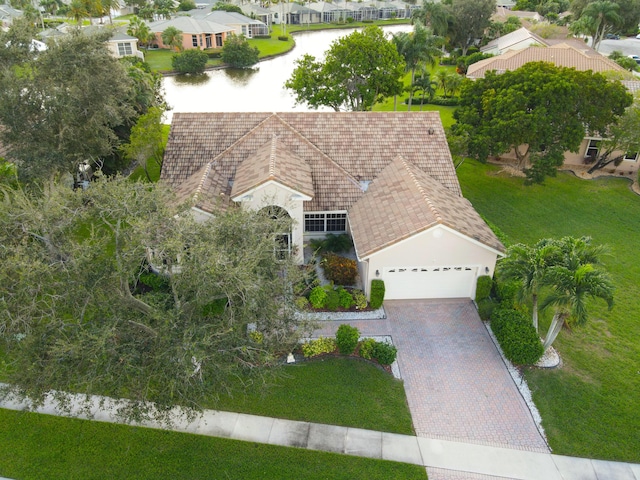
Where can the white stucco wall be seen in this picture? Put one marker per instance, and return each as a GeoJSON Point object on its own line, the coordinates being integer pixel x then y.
{"type": "Point", "coordinates": [437, 247]}
{"type": "Point", "coordinates": [273, 193]}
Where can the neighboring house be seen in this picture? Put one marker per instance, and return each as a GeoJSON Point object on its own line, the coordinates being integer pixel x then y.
{"type": "Point", "coordinates": [331, 12]}
{"type": "Point", "coordinates": [561, 55]}
{"type": "Point", "coordinates": [124, 45]}
{"type": "Point", "coordinates": [502, 13]}
{"type": "Point", "coordinates": [196, 33]}
{"type": "Point", "coordinates": [517, 40]}
{"type": "Point", "coordinates": [7, 14]}
{"type": "Point", "coordinates": [362, 173]}
{"type": "Point", "coordinates": [253, 10]}
{"type": "Point", "coordinates": [579, 57]}
{"type": "Point", "coordinates": [241, 24]}
{"type": "Point", "coordinates": [294, 14]}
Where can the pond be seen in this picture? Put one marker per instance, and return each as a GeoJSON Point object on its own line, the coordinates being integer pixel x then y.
{"type": "Point", "coordinates": [251, 90]}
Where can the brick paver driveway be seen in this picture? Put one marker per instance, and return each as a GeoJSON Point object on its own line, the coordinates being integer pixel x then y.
{"type": "Point", "coordinates": [457, 385]}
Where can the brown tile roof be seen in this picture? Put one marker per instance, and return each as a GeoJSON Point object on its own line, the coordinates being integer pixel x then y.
{"type": "Point", "coordinates": [340, 148]}
{"type": "Point", "coordinates": [273, 161]}
{"type": "Point", "coordinates": [403, 201]}
{"type": "Point", "coordinates": [206, 189]}
{"type": "Point", "coordinates": [561, 54]}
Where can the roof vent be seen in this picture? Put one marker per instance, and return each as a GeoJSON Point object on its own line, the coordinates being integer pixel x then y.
{"type": "Point", "coordinates": [431, 131]}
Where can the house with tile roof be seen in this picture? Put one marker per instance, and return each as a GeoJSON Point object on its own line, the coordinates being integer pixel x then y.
{"type": "Point", "coordinates": [516, 40]}
{"type": "Point", "coordinates": [571, 55]}
{"type": "Point", "coordinates": [385, 178]}
{"type": "Point", "coordinates": [196, 33]}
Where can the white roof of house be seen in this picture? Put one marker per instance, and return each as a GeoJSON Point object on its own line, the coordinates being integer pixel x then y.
{"type": "Point", "coordinates": [502, 44]}
{"type": "Point", "coordinates": [230, 18]}
{"type": "Point", "coordinates": [189, 25]}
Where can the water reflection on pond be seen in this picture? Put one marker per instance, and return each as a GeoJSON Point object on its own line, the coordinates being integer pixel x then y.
{"type": "Point", "coordinates": [260, 89]}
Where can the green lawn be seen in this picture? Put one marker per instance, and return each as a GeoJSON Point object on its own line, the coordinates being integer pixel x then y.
{"type": "Point", "coordinates": [36, 446]}
{"type": "Point", "coordinates": [336, 391]}
{"type": "Point", "coordinates": [591, 406]}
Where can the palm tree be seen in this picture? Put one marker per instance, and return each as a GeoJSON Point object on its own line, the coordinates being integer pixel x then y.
{"type": "Point", "coordinates": [601, 16]}
{"type": "Point", "coordinates": [573, 282]}
{"type": "Point", "coordinates": [172, 37]}
{"type": "Point", "coordinates": [78, 11]}
{"type": "Point", "coordinates": [417, 48]}
{"type": "Point", "coordinates": [433, 15]}
{"type": "Point", "coordinates": [139, 29]}
{"type": "Point", "coordinates": [425, 85]}
{"type": "Point", "coordinates": [528, 266]}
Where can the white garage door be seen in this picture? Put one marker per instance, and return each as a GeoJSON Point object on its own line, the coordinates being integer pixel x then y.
{"type": "Point", "coordinates": [429, 282]}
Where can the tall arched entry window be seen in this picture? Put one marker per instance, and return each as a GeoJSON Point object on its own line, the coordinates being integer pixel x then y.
{"type": "Point", "coordinates": [282, 247]}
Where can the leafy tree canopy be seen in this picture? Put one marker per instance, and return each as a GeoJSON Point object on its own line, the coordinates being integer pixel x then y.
{"type": "Point", "coordinates": [226, 7]}
{"type": "Point", "coordinates": [74, 102]}
{"type": "Point", "coordinates": [629, 12]}
{"type": "Point", "coordinates": [83, 311]}
{"type": "Point", "coordinates": [470, 19]}
{"type": "Point", "coordinates": [358, 71]}
{"type": "Point", "coordinates": [237, 52]}
{"type": "Point", "coordinates": [539, 111]}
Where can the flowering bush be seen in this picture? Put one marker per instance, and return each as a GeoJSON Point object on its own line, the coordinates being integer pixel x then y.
{"type": "Point", "coordinates": [340, 270]}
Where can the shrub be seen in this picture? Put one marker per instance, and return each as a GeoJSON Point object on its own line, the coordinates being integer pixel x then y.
{"type": "Point", "coordinates": [318, 297]}
{"type": "Point", "coordinates": [384, 353]}
{"type": "Point", "coordinates": [377, 293]}
{"type": "Point", "coordinates": [360, 299]}
{"type": "Point", "coordinates": [507, 292]}
{"type": "Point", "coordinates": [485, 308]}
{"type": "Point", "coordinates": [367, 20]}
{"type": "Point", "coordinates": [516, 335]}
{"type": "Point", "coordinates": [445, 101]}
{"type": "Point", "coordinates": [349, 19]}
{"type": "Point", "coordinates": [483, 287]}
{"type": "Point", "coordinates": [366, 348]}
{"type": "Point", "coordinates": [190, 61]}
{"type": "Point", "coordinates": [347, 339]}
{"type": "Point", "coordinates": [283, 38]}
{"type": "Point", "coordinates": [319, 346]}
{"type": "Point", "coordinates": [340, 270]}
{"type": "Point", "coordinates": [346, 299]}
{"type": "Point", "coordinates": [237, 52]}
{"type": "Point", "coordinates": [302, 303]}
{"type": "Point", "coordinates": [332, 302]}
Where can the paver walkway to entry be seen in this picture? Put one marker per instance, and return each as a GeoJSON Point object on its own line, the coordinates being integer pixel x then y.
{"type": "Point", "coordinates": [457, 385]}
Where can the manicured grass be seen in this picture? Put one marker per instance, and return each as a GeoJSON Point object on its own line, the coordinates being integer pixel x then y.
{"type": "Point", "coordinates": [159, 60]}
{"type": "Point", "coordinates": [36, 446]}
{"type": "Point", "coordinates": [590, 407]}
{"type": "Point", "coordinates": [336, 391]}
{"type": "Point", "coordinates": [446, 113]}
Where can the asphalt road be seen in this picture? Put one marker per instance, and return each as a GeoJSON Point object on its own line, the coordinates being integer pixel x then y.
{"type": "Point", "coordinates": [626, 45]}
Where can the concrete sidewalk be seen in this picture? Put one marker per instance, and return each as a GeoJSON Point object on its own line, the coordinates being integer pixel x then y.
{"type": "Point", "coordinates": [443, 459]}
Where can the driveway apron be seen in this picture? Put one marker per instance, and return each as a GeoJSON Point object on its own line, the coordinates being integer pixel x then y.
{"type": "Point", "coordinates": [457, 385]}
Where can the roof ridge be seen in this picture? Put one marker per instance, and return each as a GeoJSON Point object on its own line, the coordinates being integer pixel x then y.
{"type": "Point", "coordinates": [323, 154]}
{"type": "Point", "coordinates": [241, 138]}
{"type": "Point", "coordinates": [272, 157]}
{"type": "Point", "coordinates": [421, 189]}
{"type": "Point", "coordinates": [200, 186]}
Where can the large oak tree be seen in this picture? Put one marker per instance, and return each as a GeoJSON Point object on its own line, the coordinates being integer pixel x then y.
{"type": "Point", "coordinates": [539, 111]}
{"type": "Point", "coordinates": [70, 104]}
{"type": "Point", "coordinates": [83, 311]}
